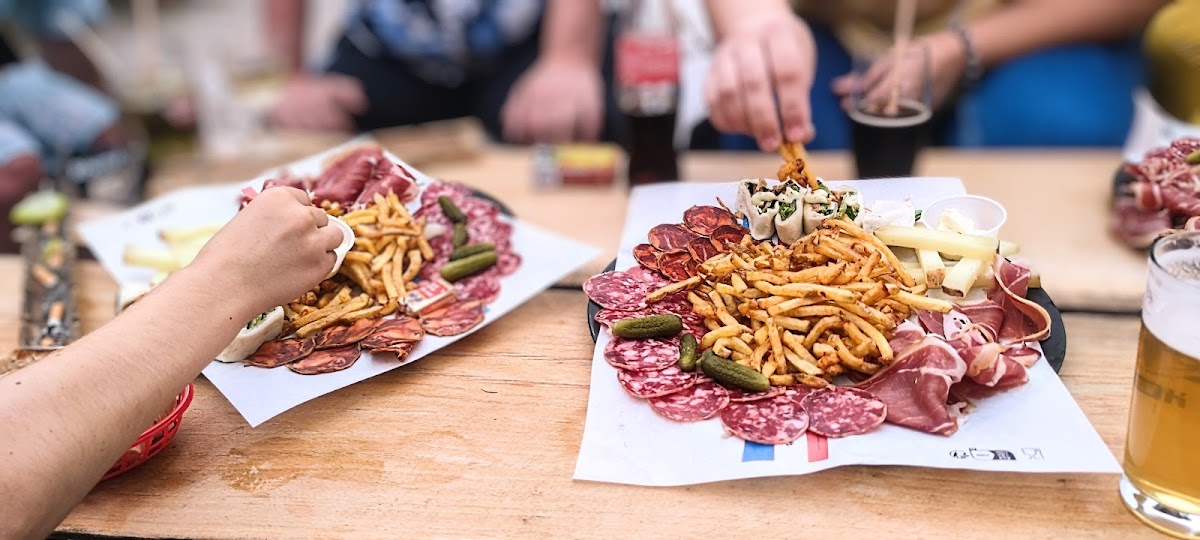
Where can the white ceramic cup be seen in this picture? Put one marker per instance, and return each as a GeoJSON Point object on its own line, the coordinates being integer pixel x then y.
{"type": "Point", "coordinates": [989, 216]}
{"type": "Point", "coordinates": [344, 247]}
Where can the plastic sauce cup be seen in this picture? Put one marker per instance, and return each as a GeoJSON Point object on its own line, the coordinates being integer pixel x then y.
{"type": "Point", "coordinates": [344, 247]}
{"type": "Point", "coordinates": [988, 215]}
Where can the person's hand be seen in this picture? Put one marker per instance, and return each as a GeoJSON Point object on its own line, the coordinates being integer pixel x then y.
{"type": "Point", "coordinates": [758, 62]}
{"type": "Point", "coordinates": [319, 103]}
{"type": "Point", "coordinates": [946, 63]}
{"type": "Point", "coordinates": [274, 250]}
{"type": "Point", "coordinates": [555, 101]}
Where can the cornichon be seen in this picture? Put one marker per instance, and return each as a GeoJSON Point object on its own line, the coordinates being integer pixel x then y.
{"type": "Point", "coordinates": [687, 352]}
{"type": "Point", "coordinates": [460, 235]}
{"type": "Point", "coordinates": [472, 249]}
{"type": "Point", "coordinates": [651, 326]}
{"type": "Point", "coordinates": [451, 210]}
{"type": "Point", "coordinates": [731, 373]}
{"type": "Point", "coordinates": [1194, 158]}
{"type": "Point", "coordinates": [468, 266]}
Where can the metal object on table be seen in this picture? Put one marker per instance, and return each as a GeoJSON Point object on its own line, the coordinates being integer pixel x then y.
{"type": "Point", "coordinates": [49, 317]}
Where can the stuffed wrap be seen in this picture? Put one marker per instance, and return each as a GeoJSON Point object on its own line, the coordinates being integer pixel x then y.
{"type": "Point", "coordinates": [819, 205]}
{"type": "Point", "coordinates": [789, 217]}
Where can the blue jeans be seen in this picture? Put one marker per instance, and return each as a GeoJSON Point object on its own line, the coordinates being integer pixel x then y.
{"type": "Point", "coordinates": [1075, 95]}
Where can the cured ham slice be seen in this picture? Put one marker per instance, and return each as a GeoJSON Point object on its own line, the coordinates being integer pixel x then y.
{"type": "Point", "coordinates": [646, 255]}
{"type": "Point", "coordinates": [280, 352]}
{"type": "Point", "coordinates": [327, 361]}
{"type": "Point", "coordinates": [702, 249]}
{"type": "Point", "coordinates": [345, 179]}
{"type": "Point", "coordinates": [343, 335]}
{"type": "Point", "coordinates": [1024, 321]}
{"type": "Point", "coordinates": [915, 387]}
{"type": "Point", "coordinates": [670, 237]}
{"type": "Point", "coordinates": [390, 332]}
{"type": "Point", "coordinates": [388, 176]}
{"type": "Point", "coordinates": [454, 319]}
{"type": "Point", "coordinates": [728, 234]}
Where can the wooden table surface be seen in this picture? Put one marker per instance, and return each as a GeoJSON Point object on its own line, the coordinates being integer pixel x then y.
{"type": "Point", "coordinates": [480, 440]}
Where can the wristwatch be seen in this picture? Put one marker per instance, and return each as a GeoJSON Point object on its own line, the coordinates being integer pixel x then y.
{"type": "Point", "coordinates": [974, 68]}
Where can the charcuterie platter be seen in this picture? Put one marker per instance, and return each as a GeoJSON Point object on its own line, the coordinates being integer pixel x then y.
{"type": "Point", "coordinates": [850, 329]}
{"type": "Point", "coordinates": [424, 263]}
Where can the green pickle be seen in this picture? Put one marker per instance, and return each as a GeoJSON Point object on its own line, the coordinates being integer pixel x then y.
{"type": "Point", "coordinates": [471, 249]}
{"type": "Point", "coordinates": [451, 210]}
{"type": "Point", "coordinates": [651, 326]}
{"type": "Point", "coordinates": [460, 235]}
{"type": "Point", "coordinates": [687, 352]}
{"type": "Point", "coordinates": [468, 266]}
{"type": "Point", "coordinates": [730, 373]}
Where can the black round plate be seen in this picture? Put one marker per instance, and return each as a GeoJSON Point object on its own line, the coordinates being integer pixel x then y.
{"type": "Point", "coordinates": [1054, 347]}
{"type": "Point", "coordinates": [503, 208]}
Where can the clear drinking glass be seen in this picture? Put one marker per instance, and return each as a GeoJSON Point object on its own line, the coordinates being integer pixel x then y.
{"type": "Point", "coordinates": [1161, 484]}
{"type": "Point", "coordinates": [886, 140]}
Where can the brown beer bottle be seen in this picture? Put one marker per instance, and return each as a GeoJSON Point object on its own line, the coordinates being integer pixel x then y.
{"type": "Point", "coordinates": [646, 60]}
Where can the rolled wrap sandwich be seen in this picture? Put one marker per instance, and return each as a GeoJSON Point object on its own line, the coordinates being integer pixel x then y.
{"type": "Point", "coordinates": [819, 205]}
{"type": "Point", "coordinates": [849, 202]}
{"type": "Point", "coordinates": [789, 217]}
{"type": "Point", "coordinates": [262, 329]}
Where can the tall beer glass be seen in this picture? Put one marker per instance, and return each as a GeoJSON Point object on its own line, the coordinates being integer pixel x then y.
{"type": "Point", "coordinates": [1161, 485]}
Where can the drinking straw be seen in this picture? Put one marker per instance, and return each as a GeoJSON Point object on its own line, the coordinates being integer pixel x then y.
{"type": "Point", "coordinates": [906, 11]}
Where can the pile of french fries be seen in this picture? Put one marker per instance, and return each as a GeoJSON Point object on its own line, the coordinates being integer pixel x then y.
{"type": "Point", "coordinates": [389, 250]}
{"type": "Point", "coordinates": [806, 313]}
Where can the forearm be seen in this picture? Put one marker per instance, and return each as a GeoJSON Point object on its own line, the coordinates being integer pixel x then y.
{"type": "Point", "coordinates": [72, 415]}
{"type": "Point", "coordinates": [65, 57]}
{"type": "Point", "coordinates": [727, 15]}
{"type": "Point", "coordinates": [285, 31]}
{"type": "Point", "coordinates": [572, 31]}
{"type": "Point", "coordinates": [1029, 25]}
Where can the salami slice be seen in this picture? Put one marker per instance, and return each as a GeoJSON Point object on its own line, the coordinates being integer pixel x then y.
{"type": "Point", "coordinates": [476, 208]}
{"type": "Point", "coordinates": [281, 351]}
{"type": "Point", "coordinates": [670, 237]}
{"type": "Point", "coordinates": [674, 264]}
{"type": "Point", "coordinates": [507, 263]}
{"type": "Point", "coordinates": [737, 395]}
{"type": "Point", "coordinates": [706, 219]}
{"type": "Point", "coordinates": [728, 234]}
{"type": "Point", "coordinates": [777, 420]}
{"type": "Point", "coordinates": [484, 287]}
{"type": "Point", "coordinates": [648, 384]}
{"type": "Point", "coordinates": [642, 354]}
{"type": "Point", "coordinates": [700, 402]}
{"type": "Point", "coordinates": [400, 349]}
{"type": "Point", "coordinates": [646, 255]}
{"type": "Point", "coordinates": [454, 319]}
{"type": "Point", "coordinates": [456, 192]}
{"type": "Point", "coordinates": [327, 361]}
{"type": "Point", "coordinates": [402, 329]}
{"type": "Point", "coordinates": [843, 411]}
{"type": "Point", "coordinates": [702, 249]}
{"type": "Point", "coordinates": [691, 267]}
{"type": "Point", "coordinates": [343, 335]}
{"type": "Point", "coordinates": [619, 290]}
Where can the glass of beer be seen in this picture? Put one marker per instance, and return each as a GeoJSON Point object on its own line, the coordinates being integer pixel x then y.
{"type": "Point", "coordinates": [890, 123]}
{"type": "Point", "coordinates": [1161, 484]}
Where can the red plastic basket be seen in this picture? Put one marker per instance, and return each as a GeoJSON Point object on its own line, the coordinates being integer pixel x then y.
{"type": "Point", "coordinates": [155, 439]}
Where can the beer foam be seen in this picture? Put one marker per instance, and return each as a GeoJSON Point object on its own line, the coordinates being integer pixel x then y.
{"type": "Point", "coordinates": [923, 114]}
{"type": "Point", "coordinates": [1171, 308]}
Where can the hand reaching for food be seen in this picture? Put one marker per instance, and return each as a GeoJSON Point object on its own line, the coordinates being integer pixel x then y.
{"type": "Point", "coordinates": [761, 74]}
{"type": "Point", "coordinates": [941, 56]}
{"type": "Point", "coordinates": [556, 101]}
{"type": "Point", "coordinates": [322, 103]}
{"type": "Point", "coordinates": [274, 250]}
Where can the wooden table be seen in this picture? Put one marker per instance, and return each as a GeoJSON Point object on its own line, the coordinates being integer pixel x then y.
{"type": "Point", "coordinates": [480, 440]}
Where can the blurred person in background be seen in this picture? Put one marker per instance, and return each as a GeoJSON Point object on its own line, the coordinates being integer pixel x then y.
{"type": "Point", "coordinates": [1004, 73]}
{"type": "Point", "coordinates": [1172, 49]}
{"type": "Point", "coordinates": [530, 70]}
{"type": "Point", "coordinates": [50, 107]}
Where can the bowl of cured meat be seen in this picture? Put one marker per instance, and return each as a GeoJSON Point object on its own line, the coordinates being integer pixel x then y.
{"type": "Point", "coordinates": [1158, 194]}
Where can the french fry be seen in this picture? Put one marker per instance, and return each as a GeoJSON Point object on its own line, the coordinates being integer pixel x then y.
{"type": "Point", "coordinates": [332, 317]}
{"type": "Point", "coordinates": [413, 267]}
{"type": "Point", "coordinates": [672, 288]}
{"type": "Point", "coordinates": [383, 259]}
{"type": "Point", "coordinates": [923, 302]}
{"type": "Point", "coordinates": [791, 323]}
{"type": "Point", "coordinates": [341, 300]}
{"type": "Point", "coordinates": [365, 313]}
{"type": "Point", "coordinates": [357, 257]}
{"type": "Point", "coordinates": [710, 338]}
{"type": "Point", "coordinates": [776, 343]}
{"type": "Point", "coordinates": [426, 251]}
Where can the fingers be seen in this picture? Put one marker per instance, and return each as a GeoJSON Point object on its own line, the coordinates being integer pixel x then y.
{"type": "Point", "coordinates": [348, 93]}
{"type": "Point", "coordinates": [589, 119]}
{"type": "Point", "coordinates": [845, 85]}
{"type": "Point", "coordinates": [791, 69]}
{"type": "Point", "coordinates": [297, 194]}
{"type": "Point", "coordinates": [725, 108]}
{"type": "Point", "coordinates": [758, 97]}
{"type": "Point", "coordinates": [512, 117]}
{"type": "Point", "coordinates": [330, 237]}
{"type": "Point", "coordinates": [319, 217]}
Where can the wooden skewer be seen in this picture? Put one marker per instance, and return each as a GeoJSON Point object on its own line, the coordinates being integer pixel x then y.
{"type": "Point", "coordinates": [906, 13]}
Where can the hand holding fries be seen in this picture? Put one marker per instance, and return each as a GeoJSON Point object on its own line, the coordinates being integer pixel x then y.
{"type": "Point", "coordinates": [389, 250]}
{"type": "Point", "coordinates": [805, 313]}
